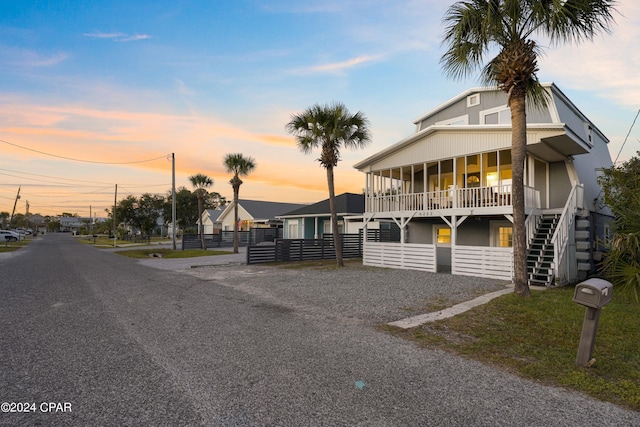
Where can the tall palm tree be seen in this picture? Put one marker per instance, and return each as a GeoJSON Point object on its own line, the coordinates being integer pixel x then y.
{"type": "Point", "coordinates": [238, 165]}
{"type": "Point", "coordinates": [200, 183]}
{"type": "Point", "coordinates": [330, 128]}
{"type": "Point", "coordinates": [474, 28]}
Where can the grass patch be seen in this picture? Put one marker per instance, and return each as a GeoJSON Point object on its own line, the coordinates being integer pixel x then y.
{"type": "Point", "coordinates": [13, 246]}
{"type": "Point", "coordinates": [168, 253]}
{"type": "Point", "coordinates": [538, 339]}
{"type": "Point", "coordinates": [104, 240]}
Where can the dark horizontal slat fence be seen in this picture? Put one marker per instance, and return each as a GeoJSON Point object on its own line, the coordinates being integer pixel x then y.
{"type": "Point", "coordinates": [225, 238]}
{"type": "Point", "coordinates": [305, 249]}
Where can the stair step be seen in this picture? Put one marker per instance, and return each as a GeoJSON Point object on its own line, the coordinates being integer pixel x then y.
{"type": "Point", "coordinates": [584, 266]}
{"type": "Point", "coordinates": [583, 256]}
{"type": "Point", "coordinates": [583, 224]}
{"type": "Point", "coordinates": [582, 235]}
{"type": "Point", "coordinates": [583, 246]}
{"type": "Point", "coordinates": [535, 282]}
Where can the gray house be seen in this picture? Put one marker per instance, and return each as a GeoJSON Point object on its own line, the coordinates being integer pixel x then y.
{"type": "Point", "coordinates": [312, 221]}
{"type": "Point", "coordinates": [448, 188]}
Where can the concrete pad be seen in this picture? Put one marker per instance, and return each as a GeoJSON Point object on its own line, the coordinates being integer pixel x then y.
{"type": "Point", "coordinates": [412, 322]}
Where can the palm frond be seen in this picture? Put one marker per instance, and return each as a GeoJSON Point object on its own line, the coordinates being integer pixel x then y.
{"type": "Point", "coordinates": [238, 164]}
{"type": "Point", "coordinates": [329, 127]}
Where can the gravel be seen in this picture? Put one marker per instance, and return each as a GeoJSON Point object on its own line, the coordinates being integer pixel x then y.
{"type": "Point", "coordinates": [355, 292]}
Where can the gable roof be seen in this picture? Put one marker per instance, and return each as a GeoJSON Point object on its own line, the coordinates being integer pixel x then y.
{"type": "Point", "coordinates": [210, 214]}
{"type": "Point", "coordinates": [554, 126]}
{"type": "Point", "coordinates": [346, 204]}
{"type": "Point", "coordinates": [260, 210]}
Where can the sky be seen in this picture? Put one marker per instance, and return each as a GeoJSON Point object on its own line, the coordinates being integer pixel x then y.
{"type": "Point", "coordinates": [95, 94]}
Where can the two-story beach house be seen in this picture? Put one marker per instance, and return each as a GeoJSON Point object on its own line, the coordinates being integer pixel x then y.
{"type": "Point", "coordinates": [448, 187]}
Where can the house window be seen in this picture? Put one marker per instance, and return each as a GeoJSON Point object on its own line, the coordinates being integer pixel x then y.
{"type": "Point", "coordinates": [326, 227]}
{"type": "Point", "coordinates": [505, 237]}
{"type": "Point", "coordinates": [496, 116]}
{"type": "Point", "coordinates": [293, 230]}
{"type": "Point", "coordinates": [473, 100]}
{"type": "Point", "coordinates": [456, 121]}
{"type": "Point", "coordinates": [443, 236]}
{"type": "Point", "coordinates": [502, 234]}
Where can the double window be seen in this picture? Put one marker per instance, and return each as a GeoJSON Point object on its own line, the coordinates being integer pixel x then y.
{"type": "Point", "coordinates": [496, 116]}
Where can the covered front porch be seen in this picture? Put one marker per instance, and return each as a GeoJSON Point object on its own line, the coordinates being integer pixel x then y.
{"type": "Point", "coordinates": [475, 184]}
{"type": "Point", "coordinates": [483, 200]}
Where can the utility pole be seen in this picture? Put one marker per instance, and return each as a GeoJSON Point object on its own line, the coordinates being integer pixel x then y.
{"type": "Point", "coordinates": [27, 215]}
{"type": "Point", "coordinates": [14, 206]}
{"type": "Point", "coordinates": [173, 199]}
{"type": "Point", "coordinates": [115, 201]}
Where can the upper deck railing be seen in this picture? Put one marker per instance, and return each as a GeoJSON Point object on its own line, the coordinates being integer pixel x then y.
{"type": "Point", "coordinates": [455, 198]}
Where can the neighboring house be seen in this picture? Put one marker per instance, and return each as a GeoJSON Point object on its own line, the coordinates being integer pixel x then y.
{"type": "Point", "coordinates": [255, 214]}
{"type": "Point", "coordinates": [70, 223]}
{"type": "Point", "coordinates": [448, 188]}
{"type": "Point", "coordinates": [312, 221]}
{"type": "Point", "coordinates": [210, 220]}
{"type": "Point", "coordinates": [36, 221]}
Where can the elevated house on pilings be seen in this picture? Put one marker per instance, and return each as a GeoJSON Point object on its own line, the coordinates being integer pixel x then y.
{"type": "Point", "coordinates": [449, 185]}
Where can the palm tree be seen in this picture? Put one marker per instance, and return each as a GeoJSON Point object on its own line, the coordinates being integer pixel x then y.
{"type": "Point", "coordinates": [200, 183]}
{"type": "Point", "coordinates": [330, 128]}
{"type": "Point", "coordinates": [474, 28]}
{"type": "Point", "coordinates": [238, 165]}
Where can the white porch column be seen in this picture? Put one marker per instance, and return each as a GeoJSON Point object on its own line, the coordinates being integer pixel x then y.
{"type": "Point", "coordinates": [454, 238]}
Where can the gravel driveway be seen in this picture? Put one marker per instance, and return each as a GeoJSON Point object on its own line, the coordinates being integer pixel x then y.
{"type": "Point", "coordinates": [355, 292]}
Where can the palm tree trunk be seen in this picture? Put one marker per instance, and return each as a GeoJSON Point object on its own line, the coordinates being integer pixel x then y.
{"type": "Point", "coordinates": [337, 241]}
{"type": "Point", "coordinates": [201, 225]}
{"type": "Point", "coordinates": [236, 192]}
{"type": "Point", "coordinates": [517, 102]}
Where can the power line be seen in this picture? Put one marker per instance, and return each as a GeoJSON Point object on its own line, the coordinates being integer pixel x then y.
{"type": "Point", "coordinates": [82, 160]}
{"type": "Point", "coordinates": [627, 137]}
{"type": "Point", "coordinates": [71, 179]}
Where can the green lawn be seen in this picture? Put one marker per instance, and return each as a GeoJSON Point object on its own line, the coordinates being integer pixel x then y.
{"type": "Point", "coordinates": [168, 253]}
{"type": "Point", "coordinates": [13, 246]}
{"type": "Point", "coordinates": [538, 338]}
{"type": "Point", "coordinates": [104, 240]}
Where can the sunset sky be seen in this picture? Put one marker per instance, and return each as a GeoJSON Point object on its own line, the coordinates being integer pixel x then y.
{"type": "Point", "coordinates": [99, 93]}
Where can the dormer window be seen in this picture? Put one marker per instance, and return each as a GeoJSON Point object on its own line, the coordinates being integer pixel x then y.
{"type": "Point", "coordinates": [473, 100]}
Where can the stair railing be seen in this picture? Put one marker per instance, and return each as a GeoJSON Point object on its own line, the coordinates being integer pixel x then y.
{"type": "Point", "coordinates": [565, 266]}
{"type": "Point", "coordinates": [531, 224]}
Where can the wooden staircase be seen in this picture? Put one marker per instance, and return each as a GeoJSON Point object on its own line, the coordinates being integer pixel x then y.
{"type": "Point", "coordinates": [540, 261]}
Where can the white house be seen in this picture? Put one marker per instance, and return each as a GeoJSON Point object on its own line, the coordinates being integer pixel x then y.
{"type": "Point", "coordinates": [254, 214]}
{"type": "Point", "coordinates": [209, 219]}
{"type": "Point", "coordinates": [448, 188]}
{"type": "Point", "coordinates": [70, 223]}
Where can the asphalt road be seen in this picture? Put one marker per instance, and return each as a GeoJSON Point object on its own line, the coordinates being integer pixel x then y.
{"type": "Point", "coordinates": [91, 338]}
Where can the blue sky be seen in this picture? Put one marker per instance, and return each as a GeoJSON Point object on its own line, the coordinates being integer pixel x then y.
{"type": "Point", "coordinates": [131, 81]}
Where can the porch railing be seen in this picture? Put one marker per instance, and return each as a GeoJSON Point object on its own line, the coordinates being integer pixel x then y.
{"type": "Point", "coordinates": [563, 240]}
{"type": "Point", "coordinates": [477, 197]}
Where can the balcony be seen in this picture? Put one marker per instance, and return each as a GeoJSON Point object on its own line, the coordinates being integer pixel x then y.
{"type": "Point", "coordinates": [492, 199]}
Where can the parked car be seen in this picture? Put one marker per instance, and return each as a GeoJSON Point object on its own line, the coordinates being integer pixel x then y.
{"type": "Point", "coordinates": [26, 231]}
{"type": "Point", "coordinates": [9, 236]}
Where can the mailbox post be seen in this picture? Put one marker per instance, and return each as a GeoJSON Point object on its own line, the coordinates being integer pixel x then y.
{"type": "Point", "coordinates": [593, 294]}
